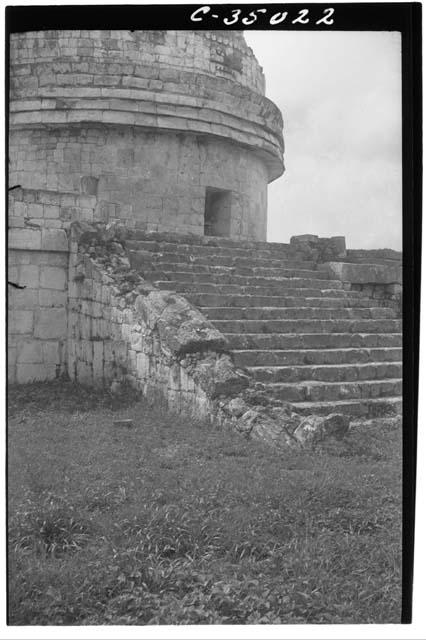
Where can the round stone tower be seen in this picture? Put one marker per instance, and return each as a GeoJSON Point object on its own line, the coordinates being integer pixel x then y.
{"type": "Point", "coordinates": [164, 130]}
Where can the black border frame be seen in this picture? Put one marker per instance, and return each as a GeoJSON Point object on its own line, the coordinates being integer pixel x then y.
{"type": "Point", "coordinates": [405, 17]}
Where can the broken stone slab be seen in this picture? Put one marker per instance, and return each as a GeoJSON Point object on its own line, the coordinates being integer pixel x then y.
{"type": "Point", "coordinates": [218, 376]}
{"type": "Point", "coordinates": [306, 237]}
{"type": "Point", "coordinates": [334, 247]}
{"type": "Point", "coordinates": [284, 429]}
{"type": "Point", "coordinates": [181, 327]}
{"type": "Point", "coordinates": [313, 429]}
{"type": "Point", "coordinates": [322, 249]}
{"type": "Point", "coordinates": [257, 424]}
{"type": "Point", "coordinates": [363, 273]}
{"type": "Point", "coordinates": [236, 407]}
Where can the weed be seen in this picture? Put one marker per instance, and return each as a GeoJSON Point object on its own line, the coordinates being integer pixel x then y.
{"type": "Point", "coordinates": [51, 526]}
{"type": "Point", "coordinates": [173, 522]}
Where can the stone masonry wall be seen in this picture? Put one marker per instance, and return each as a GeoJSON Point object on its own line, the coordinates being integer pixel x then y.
{"type": "Point", "coordinates": [142, 124]}
{"type": "Point", "coordinates": [122, 329]}
{"type": "Point", "coordinates": [375, 272]}
{"type": "Point", "coordinates": [37, 312]}
{"type": "Point", "coordinates": [376, 278]}
{"type": "Point", "coordinates": [219, 54]}
{"type": "Point", "coordinates": [148, 180]}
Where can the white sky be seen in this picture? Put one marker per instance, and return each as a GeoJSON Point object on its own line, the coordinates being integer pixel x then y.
{"type": "Point", "coordinates": [340, 96]}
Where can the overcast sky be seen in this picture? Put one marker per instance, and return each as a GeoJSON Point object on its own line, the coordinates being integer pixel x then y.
{"type": "Point", "coordinates": [340, 96]}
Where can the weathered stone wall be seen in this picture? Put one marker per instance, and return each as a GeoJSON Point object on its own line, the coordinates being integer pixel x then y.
{"type": "Point", "coordinates": [375, 272]}
{"type": "Point", "coordinates": [139, 55]}
{"type": "Point", "coordinates": [148, 180]}
{"type": "Point", "coordinates": [143, 123]}
{"type": "Point", "coordinates": [37, 312]}
{"type": "Point", "coordinates": [47, 209]}
{"type": "Point", "coordinates": [122, 329]}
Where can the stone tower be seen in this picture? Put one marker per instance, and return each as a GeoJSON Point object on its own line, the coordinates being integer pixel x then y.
{"type": "Point", "coordinates": [163, 130]}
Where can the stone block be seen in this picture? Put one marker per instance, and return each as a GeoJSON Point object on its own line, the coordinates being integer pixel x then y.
{"type": "Point", "coordinates": [53, 278]}
{"type": "Point", "coordinates": [84, 372]}
{"type": "Point", "coordinates": [25, 239]}
{"type": "Point", "coordinates": [51, 211]}
{"type": "Point", "coordinates": [89, 185]}
{"type": "Point", "coordinates": [50, 323]}
{"type": "Point", "coordinates": [34, 372]}
{"type": "Point", "coordinates": [98, 360]}
{"type": "Point", "coordinates": [29, 276]}
{"type": "Point", "coordinates": [364, 273]}
{"type": "Point", "coordinates": [13, 271]}
{"type": "Point", "coordinates": [51, 223]}
{"type": "Point", "coordinates": [19, 209]}
{"type": "Point", "coordinates": [52, 298]}
{"type": "Point", "coordinates": [20, 321]}
{"type": "Point", "coordinates": [35, 210]}
{"type": "Point", "coordinates": [23, 298]}
{"type": "Point", "coordinates": [51, 352]}
{"type": "Point", "coordinates": [54, 240]}
{"type": "Point", "coordinates": [16, 222]}
{"type": "Point", "coordinates": [30, 352]}
{"type": "Point", "coordinates": [95, 324]}
{"type": "Point", "coordinates": [339, 244]}
{"type": "Point", "coordinates": [87, 350]}
{"type": "Point", "coordinates": [307, 237]}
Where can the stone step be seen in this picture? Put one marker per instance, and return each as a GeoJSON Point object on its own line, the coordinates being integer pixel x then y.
{"type": "Point", "coordinates": [328, 372]}
{"type": "Point", "coordinates": [311, 341]}
{"type": "Point", "coordinates": [140, 260]}
{"type": "Point", "coordinates": [253, 358]}
{"type": "Point", "coordinates": [270, 290]}
{"type": "Point", "coordinates": [198, 269]}
{"type": "Point", "coordinates": [225, 300]}
{"type": "Point", "coordinates": [205, 241]}
{"type": "Point", "coordinates": [313, 391]}
{"type": "Point", "coordinates": [365, 408]}
{"type": "Point", "coordinates": [283, 341]}
{"type": "Point", "coordinates": [263, 250]}
{"type": "Point", "coordinates": [308, 326]}
{"type": "Point", "coordinates": [282, 313]}
{"type": "Point", "coordinates": [242, 281]}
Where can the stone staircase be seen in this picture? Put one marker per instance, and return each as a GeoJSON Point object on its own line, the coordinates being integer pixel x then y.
{"type": "Point", "coordinates": [313, 343]}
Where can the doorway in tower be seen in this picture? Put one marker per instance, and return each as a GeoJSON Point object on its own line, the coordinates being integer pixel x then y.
{"type": "Point", "coordinates": [217, 212]}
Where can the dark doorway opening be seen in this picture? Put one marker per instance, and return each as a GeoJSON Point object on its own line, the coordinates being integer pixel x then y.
{"type": "Point", "coordinates": [217, 212]}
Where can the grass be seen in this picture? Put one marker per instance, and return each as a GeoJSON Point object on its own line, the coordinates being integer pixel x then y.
{"type": "Point", "coordinates": [172, 522]}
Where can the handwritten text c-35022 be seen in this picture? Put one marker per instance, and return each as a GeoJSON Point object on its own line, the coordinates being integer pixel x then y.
{"type": "Point", "coordinates": [237, 17]}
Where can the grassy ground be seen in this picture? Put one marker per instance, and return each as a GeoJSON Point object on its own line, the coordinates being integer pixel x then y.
{"type": "Point", "coordinates": [170, 522]}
